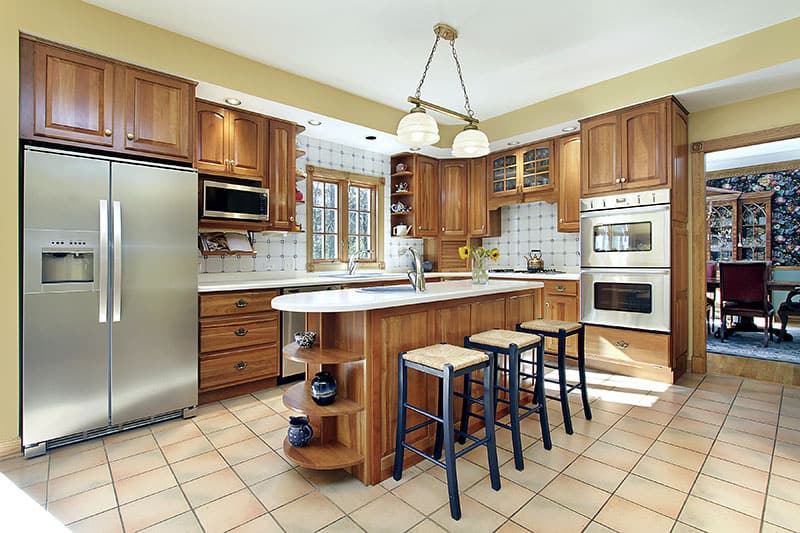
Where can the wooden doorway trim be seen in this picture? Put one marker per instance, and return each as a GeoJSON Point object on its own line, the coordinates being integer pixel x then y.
{"type": "Point", "coordinates": [699, 150]}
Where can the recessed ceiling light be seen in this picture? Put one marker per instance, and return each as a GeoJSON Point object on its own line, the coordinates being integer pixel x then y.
{"type": "Point", "coordinates": [370, 137]}
{"type": "Point", "coordinates": [569, 128]}
{"type": "Point", "coordinates": [512, 143]}
{"type": "Point", "coordinates": [315, 122]}
{"type": "Point", "coordinates": [233, 101]}
{"type": "Point", "coordinates": [414, 149]}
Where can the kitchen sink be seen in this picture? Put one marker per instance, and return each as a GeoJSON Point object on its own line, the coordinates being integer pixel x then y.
{"type": "Point", "coordinates": [387, 288]}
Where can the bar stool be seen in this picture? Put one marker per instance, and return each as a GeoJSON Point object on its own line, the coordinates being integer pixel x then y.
{"type": "Point", "coordinates": [446, 362]}
{"type": "Point", "coordinates": [561, 329]}
{"type": "Point", "coordinates": [513, 344]}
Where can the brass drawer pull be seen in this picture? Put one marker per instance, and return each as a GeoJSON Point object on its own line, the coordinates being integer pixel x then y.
{"type": "Point", "coordinates": [107, 132]}
{"type": "Point", "coordinates": [561, 288]}
{"type": "Point", "coordinates": [242, 303]}
{"type": "Point", "coordinates": [241, 332]}
{"type": "Point", "coordinates": [621, 344]}
{"type": "Point", "coordinates": [241, 365]}
{"type": "Point", "coordinates": [130, 136]}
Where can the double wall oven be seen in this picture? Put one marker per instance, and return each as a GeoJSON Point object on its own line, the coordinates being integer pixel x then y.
{"type": "Point", "coordinates": [625, 260]}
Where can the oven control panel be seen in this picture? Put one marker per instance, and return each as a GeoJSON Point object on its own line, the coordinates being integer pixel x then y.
{"type": "Point", "coordinates": [631, 199]}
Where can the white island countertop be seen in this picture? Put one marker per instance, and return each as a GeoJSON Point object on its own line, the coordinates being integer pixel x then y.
{"type": "Point", "coordinates": [347, 300]}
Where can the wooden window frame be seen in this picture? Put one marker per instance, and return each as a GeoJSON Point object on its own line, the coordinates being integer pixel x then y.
{"type": "Point", "coordinates": [344, 180]}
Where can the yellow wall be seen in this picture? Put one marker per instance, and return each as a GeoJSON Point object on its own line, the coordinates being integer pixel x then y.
{"type": "Point", "coordinates": [92, 28]}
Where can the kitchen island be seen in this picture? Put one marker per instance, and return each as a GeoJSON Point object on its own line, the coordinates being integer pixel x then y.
{"type": "Point", "coordinates": [360, 332]}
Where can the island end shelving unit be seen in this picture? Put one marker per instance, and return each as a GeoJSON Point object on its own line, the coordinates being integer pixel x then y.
{"type": "Point", "coordinates": [339, 428]}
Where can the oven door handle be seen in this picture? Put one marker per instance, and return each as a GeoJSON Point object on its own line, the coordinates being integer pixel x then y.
{"type": "Point", "coordinates": [634, 271]}
{"type": "Point", "coordinates": [626, 211]}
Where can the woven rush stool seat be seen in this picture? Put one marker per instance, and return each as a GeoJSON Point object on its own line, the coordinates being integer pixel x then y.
{"type": "Point", "coordinates": [561, 329]}
{"type": "Point", "coordinates": [512, 344]}
{"type": "Point", "coordinates": [446, 362]}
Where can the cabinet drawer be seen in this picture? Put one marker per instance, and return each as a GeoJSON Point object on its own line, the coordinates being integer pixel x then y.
{"type": "Point", "coordinates": [238, 366]}
{"type": "Point", "coordinates": [566, 287]}
{"type": "Point", "coordinates": [626, 346]}
{"type": "Point", "coordinates": [236, 303]}
{"type": "Point", "coordinates": [228, 334]}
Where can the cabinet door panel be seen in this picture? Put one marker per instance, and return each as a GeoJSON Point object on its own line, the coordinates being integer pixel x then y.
{"type": "Point", "coordinates": [157, 111]}
{"type": "Point", "coordinates": [644, 146]}
{"type": "Point", "coordinates": [599, 152]}
{"type": "Point", "coordinates": [73, 96]}
{"type": "Point", "coordinates": [281, 175]}
{"type": "Point", "coordinates": [569, 183]}
{"type": "Point", "coordinates": [247, 144]}
{"type": "Point", "coordinates": [453, 197]}
{"type": "Point", "coordinates": [426, 197]}
{"type": "Point", "coordinates": [210, 154]}
{"type": "Point", "coordinates": [561, 307]}
{"type": "Point", "coordinates": [477, 209]}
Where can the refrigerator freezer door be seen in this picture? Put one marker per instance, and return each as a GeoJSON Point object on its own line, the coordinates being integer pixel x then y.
{"type": "Point", "coordinates": [64, 343]}
{"type": "Point", "coordinates": [154, 344]}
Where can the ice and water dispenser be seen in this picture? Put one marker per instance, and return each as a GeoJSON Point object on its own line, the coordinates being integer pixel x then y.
{"type": "Point", "coordinates": [67, 262]}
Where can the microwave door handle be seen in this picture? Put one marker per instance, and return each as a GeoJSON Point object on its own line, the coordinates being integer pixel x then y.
{"type": "Point", "coordinates": [117, 289]}
{"type": "Point", "coordinates": [102, 312]}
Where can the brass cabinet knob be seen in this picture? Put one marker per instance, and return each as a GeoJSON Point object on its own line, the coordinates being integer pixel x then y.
{"type": "Point", "coordinates": [107, 132]}
{"type": "Point", "coordinates": [227, 161]}
{"type": "Point", "coordinates": [419, 227]}
{"type": "Point", "coordinates": [291, 219]}
{"type": "Point", "coordinates": [623, 180]}
{"type": "Point", "coordinates": [547, 304]}
{"type": "Point", "coordinates": [443, 228]}
{"type": "Point", "coordinates": [130, 136]}
{"type": "Point", "coordinates": [241, 332]}
{"type": "Point", "coordinates": [242, 303]}
{"type": "Point", "coordinates": [621, 344]}
{"type": "Point", "coordinates": [617, 180]}
{"type": "Point", "coordinates": [561, 288]}
{"type": "Point", "coordinates": [241, 365]}
{"type": "Point", "coordinates": [234, 162]}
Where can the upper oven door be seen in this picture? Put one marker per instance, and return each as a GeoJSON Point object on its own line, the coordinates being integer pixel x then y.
{"type": "Point", "coordinates": [629, 237]}
{"type": "Point", "coordinates": [628, 298]}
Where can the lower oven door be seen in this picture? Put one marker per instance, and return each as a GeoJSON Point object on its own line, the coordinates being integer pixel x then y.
{"type": "Point", "coordinates": [627, 298]}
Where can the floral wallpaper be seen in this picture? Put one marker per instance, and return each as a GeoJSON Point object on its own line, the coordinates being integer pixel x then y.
{"type": "Point", "coordinates": [785, 209]}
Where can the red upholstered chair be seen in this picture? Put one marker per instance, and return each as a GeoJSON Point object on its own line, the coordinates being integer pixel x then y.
{"type": "Point", "coordinates": [743, 292]}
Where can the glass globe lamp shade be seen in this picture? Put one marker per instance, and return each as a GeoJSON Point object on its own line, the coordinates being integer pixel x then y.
{"type": "Point", "coordinates": [417, 129]}
{"type": "Point", "coordinates": [471, 142]}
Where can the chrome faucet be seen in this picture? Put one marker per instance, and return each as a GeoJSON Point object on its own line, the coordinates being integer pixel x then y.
{"type": "Point", "coordinates": [417, 278]}
{"type": "Point", "coordinates": [352, 263]}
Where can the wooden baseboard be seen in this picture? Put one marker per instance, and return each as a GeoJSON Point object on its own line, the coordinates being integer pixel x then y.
{"type": "Point", "coordinates": [748, 367]}
{"type": "Point", "coordinates": [10, 448]}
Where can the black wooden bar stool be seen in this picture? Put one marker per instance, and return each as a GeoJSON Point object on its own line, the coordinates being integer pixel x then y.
{"type": "Point", "coordinates": [514, 344]}
{"type": "Point", "coordinates": [446, 362]}
{"type": "Point", "coordinates": [561, 329]}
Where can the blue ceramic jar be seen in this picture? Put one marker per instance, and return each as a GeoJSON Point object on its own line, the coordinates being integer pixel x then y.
{"type": "Point", "coordinates": [299, 431]}
{"type": "Point", "coordinates": [323, 388]}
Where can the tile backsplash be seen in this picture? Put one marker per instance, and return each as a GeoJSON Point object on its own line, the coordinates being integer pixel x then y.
{"type": "Point", "coordinates": [534, 226]}
{"type": "Point", "coordinates": [286, 252]}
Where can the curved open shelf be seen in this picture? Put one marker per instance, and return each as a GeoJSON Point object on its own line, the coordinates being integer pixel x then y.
{"type": "Point", "coordinates": [317, 456]}
{"type": "Point", "coordinates": [298, 398]}
{"type": "Point", "coordinates": [320, 356]}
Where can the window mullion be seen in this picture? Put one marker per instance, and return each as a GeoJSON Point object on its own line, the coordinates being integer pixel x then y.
{"type": "Point", "coordinates": [344, 229]}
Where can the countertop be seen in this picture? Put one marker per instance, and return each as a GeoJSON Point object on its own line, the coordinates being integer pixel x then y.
{"type": "Point", "coordinates": [237, 281]}
{"type": "Point", "coordinates": [347, 300]}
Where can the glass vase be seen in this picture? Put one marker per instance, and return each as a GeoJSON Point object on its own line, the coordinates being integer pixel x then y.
{"type": "Point", "coordinates": [480, 276]}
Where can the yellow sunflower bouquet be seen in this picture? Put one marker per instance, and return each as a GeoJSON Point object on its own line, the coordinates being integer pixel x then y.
{"type": "Point", "coordinates": [479, 254]}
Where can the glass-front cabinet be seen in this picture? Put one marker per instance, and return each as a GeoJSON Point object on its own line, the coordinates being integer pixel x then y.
{"type": "Point", "coordinates": [504, 174]}
{"type": "Point", "coordinates": [536, 167]}
{"type": "Point", "coordinates": [738, 226]}
{"type": "Point", "coordinates": [722, 218]}
{"type": "Point", "coordinates": [525, 170]}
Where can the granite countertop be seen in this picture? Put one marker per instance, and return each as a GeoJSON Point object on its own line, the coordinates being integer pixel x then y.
{"type": "Point", "coordinates": [237, 281]}
{"type": "Point", "coordinates": [347, 300]}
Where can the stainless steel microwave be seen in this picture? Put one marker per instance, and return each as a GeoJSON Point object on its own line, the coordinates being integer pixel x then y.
{"type": "Point", "coordinates": [239, 202]}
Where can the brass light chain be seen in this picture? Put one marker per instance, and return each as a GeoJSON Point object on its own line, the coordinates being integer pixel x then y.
{"type": "Point", "coordinates": [470, 112]}
{"type": "Point", "coordinates": [427, 66]}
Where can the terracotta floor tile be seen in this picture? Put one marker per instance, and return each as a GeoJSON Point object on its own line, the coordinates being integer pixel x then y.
{"type": "Point", "coordinates": [790, 422]}
{"type": "Point", "coordinates": [37, 492]}
{"type": "Point", "coordinates": [694, 426]}
{"type": "Point", "coordinates": [480, 458]}
{"type": "Point", "coordinates": [784, 488]}
{"type": "Point", "coordinates": [107, 522]}
{"type": "Point", "coordinates": [184, 523]}
{"type": "Point", "coordinates": [652, 495]}
{"type": "Point", "coordinates": [787, 451]}
{"type": "Point", "coordinates": [28, 475]}
{"type": "Point", "coordinates": [231, 435]}
{"type": "Point", "coordinates": [295, 516]}
{"type": "Point", "coordinates": [624, 516]}
{"type": "Point", "coordinates": [714, 396]}
{"type": "Point", "coordinates": [607, 418]}
{"type": "Point", "coordinates": [782, 513]}
{"type": "Point", "coordinates": [127, 435]}
{"type": "Point", "coordinates": [137, 464]}
{"type": "Point", "coordinates": [575, 443]}
{"type": "Point", "coordinates": [534, 477]}
{"type": "Point", "coordinates": [208, 488]}
{"type": "Point", "coordinates": [741, 455]}
{"type": "Point", "coordinates": [791, 436]}
{"type": "Point", "coordinates": [81, 481]}
{"type": "Point", "coordinates": [372, 517]}
{"type": "Point", "coordinates": [737, 474]}
{"type": "Point", "coordinates": [575, 495]}
{"type": "Point", "coordinates": [72, 449]}
{"type": "Point", "coordinates": [714, 518]}
{"type": "Point", "coordinates": [612, 455]}
{"type": "Point", "coordinates": [627, 440]}
{"type": "Point", "coordinates": [683, 439]}
{"type": "Point", "coordinates": [281, 489]}
{"type": "Point", "coordinates": [546, 516]}
{"type": "Point", "coordinates": [134, 446]}
{"type": "Point", "coordinates": [426, 526]}
{"type": "Point", "coordinates": [556, 458]}
{"type": "Point", "coordinates": [665, 407]}
{"type": "Point", "coordinates": [755, 404]}
{"type": "Point", "coordinates": [468, 473]}
{"type": "Point", "coordinates": [709, 417]}
{"type": "Point", "coordinates": [259, 426]}
{"type": "Point", "coordinates": [230, 511]}
{"type": "Point", "coordinates": [478, 516]}
{"type": "Point", "coordinates": [222, 420]}
{"type": "Point", "coordinates": [141, 485]}
{"type": "Point", "coordinates": [263, 524]}
{"type": "Point", "coordinates": [253, 412]}
{"type": "Point", "coordinates": [184, 430]}
{"type": "Point", "coordinates": [62, 465]}
{"type": "Point", "coordinates": [765, 417]}
{"type": "Point", "coordinates": [786, 468]}
{"type": "Point", "coordinates": [729, 495]}
{"type": "Point", "coordinates": [244, 450]}
{"type": "Point", "coordinates": [261, 468]}
{"type": "Point", "coordinates": [84, 504]}
{"type": "Point", "coordinates": [708, 405]}
{"type": "Point", "coordinates": [665, 473]}
{"type": "Point", "coordinates": [14, 463]}
{"type": "Point", "coordinates": [747, 440]}
{"type": "Point", "coordinates": [186, 449]}
{"type": "Point", "coordinates": [153, 509]}
{"type": "Point", "coordinates": [349, 494]}
{"type": "Point", "coordinates": [596, 527]}
{"type": "Point", "coordinates": [240, 402]}
{"type": "Point", "coordinates": [676, 455]}
{"type": "Point", "coordinates": [648, 414]}
{"type": "Point", "coordinates": [597, 474]}
{"type": "Point", "coordinates": [425, 493]}
{"type": "Point", "coordinates": [506, 501]}
{"type": "Point", "coordinates": [198, 466]}
{"type": "Point", "coordinates": [750, 426]}
{"type": "Point", "coordinates": [503, 440]}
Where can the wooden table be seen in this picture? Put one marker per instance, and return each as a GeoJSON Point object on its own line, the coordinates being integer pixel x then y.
{"type": "Point", "coordinates": [746, 323]}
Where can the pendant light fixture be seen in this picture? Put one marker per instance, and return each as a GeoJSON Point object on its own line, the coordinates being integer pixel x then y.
{"type": "Point", "coordinates": [418, 129]}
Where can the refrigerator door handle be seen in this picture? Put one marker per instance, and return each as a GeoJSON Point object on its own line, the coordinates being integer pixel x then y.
{"type": "Point", "coordinates": [102, 314]}
{"type": "Point", "coordinates": [117, 289]}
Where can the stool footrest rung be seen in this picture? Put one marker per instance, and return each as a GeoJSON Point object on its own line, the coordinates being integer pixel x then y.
{"type": "Point", "coordinates": [467, 449]}
{"type": "Point", "coordinates": [423, 454]}
{"type": "Point", "coordinates": [420, 426]}
{"type": "Point", "coordinates": [425, 413]}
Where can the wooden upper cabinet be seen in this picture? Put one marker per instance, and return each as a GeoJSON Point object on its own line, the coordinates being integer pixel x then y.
{"type": "Point", "coordinates": [599, 151]}
{"type": "Point", "coordinates": [477, 191]}
{"type": "Point", "coordinates": [247, 144]}
{"type": "Point", "coordinates": [73, 95]}
{"type": "Point", "coordinates": [535, 168]}
{"type": "Point", "coordinates": [503, 174]}
{"type": "Point", "coordinates": [281, 170]}
{"type": "Point", "coordinates": [643, 139]}
{"type": "Point", "coordinates": [568, 154]}
{"type": "Point", "coordinates": [426, 197]}
{"type": "Point", "coordinates": [453, 181]}
{"type": "Point", "coordinates": [158, 112]}
{"type": "Point", "coordinates": [211, 153]}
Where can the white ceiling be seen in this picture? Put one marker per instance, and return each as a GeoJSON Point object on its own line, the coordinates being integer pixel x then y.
{"type": "Point", "coordinates": [757, 154]}
{"type": "Point", "coordinates": [513, 52]}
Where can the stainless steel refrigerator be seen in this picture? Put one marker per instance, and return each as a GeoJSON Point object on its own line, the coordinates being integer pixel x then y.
{"type": "Point", "coordinates": [109, 303]}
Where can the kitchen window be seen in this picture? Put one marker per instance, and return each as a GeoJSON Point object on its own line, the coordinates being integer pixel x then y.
{"type": "Point", "coordinates": [345, 216]}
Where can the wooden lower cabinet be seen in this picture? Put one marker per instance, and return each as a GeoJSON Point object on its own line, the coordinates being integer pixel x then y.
{"type": "Point", "coordinates": [630, 352]}
{"type": "Point", "coordinates": [239, 343]}
{"type": "Point", "coordinates": [561, 303]}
